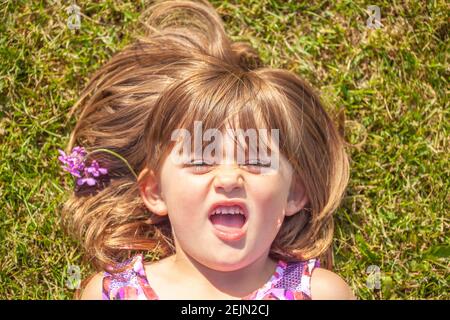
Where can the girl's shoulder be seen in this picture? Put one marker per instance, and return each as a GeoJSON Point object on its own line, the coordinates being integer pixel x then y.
{"type": "Point", "coordinates": [92, 290]}
{"type": "Point", "coordinates": [327, 285]}
{"type": "Point", "coordinates": [303, 280]}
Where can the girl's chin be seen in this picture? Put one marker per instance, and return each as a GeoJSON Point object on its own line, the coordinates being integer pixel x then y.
{"type": "Point", "coordinates": [227, 266]}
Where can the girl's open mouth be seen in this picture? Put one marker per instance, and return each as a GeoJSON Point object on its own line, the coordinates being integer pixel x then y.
{"type": "Point", "coordinates": [229, 221]}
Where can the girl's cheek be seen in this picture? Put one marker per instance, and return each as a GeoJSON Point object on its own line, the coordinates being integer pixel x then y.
{"type": "Point", "coordinates": [267, 185]}
{"type": "Point", "coordinates": [189, 192]}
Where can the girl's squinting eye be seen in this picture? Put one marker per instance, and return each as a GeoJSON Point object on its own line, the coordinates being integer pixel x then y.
{"type": "Point", "coordinates": [199, 165]}
{"type": "Point", "coordinates": [257, 162]}
{"type": "Point", "coordinates": [256, 165]}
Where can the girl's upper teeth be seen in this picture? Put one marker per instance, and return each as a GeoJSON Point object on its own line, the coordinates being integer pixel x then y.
{"type": "Point", "coordinates": [228, 210]}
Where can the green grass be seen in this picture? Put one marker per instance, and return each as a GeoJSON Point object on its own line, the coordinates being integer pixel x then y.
{"type": "Point", "coordinates": [392, 84]}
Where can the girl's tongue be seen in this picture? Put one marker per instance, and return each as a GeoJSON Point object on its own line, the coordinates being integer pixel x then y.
{"type": "Point", "coordinates": [227, 222]}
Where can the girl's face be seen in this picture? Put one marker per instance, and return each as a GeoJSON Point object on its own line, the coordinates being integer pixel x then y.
{"type": "Point", "coordinates": [197, 198]}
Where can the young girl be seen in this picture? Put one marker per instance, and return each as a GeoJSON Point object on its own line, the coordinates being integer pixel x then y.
{"type": "Point", "coordinates": [218, 225]}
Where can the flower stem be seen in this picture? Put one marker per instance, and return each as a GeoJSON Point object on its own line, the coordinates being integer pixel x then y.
{"type": "Point", "coordinates": [118, 156]}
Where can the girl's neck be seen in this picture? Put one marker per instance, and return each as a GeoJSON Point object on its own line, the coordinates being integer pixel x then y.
{"type": "Point", "coordinates": [238, 283]}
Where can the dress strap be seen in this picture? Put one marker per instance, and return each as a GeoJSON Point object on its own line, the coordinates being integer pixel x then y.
{"type": "Point", "coordinates": [305, 282]}
{"type": "Point", "coordinates": [297, 277]}
{"type": "Point", "coordinates": [129, 283]}
{"type": "Point", "coordinates": [292, 281]}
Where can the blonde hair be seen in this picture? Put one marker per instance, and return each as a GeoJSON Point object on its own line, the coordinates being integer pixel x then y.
{"type": "Point", "coordinates": [186, 68]}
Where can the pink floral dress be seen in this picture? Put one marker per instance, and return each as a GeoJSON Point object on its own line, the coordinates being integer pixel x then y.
{"type": "Point", "coordinates": [291, 281]}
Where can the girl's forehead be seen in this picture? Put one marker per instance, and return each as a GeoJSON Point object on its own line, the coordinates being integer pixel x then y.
{"type": "Point", "coordinates": [248, 139]}
{"type": "Point", "coordinates": [228, 146]}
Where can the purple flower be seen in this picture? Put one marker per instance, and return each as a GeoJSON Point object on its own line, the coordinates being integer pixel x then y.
{"type": "Point", "coordinates": [75, 165]}
{"type": "Point", "coordinates": [89, 181]}
{"type": "Point", "coordinates": [95, 169]}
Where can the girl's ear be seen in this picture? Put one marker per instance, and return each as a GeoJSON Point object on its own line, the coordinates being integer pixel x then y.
{"type": "Point", "coordinates": [297, 198]}
{"type": "Point", "coordinates": [150, 192]}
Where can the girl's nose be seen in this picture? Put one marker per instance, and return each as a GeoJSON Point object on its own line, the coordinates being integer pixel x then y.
{"type": "Point", "coordinates": [228, 178]}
